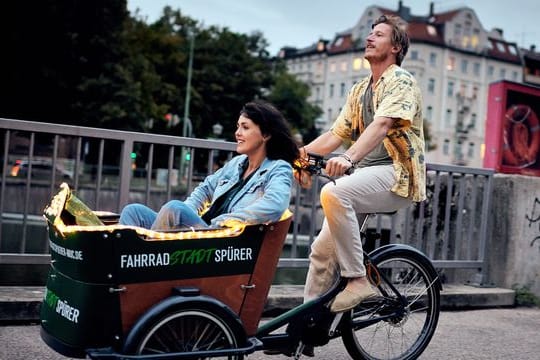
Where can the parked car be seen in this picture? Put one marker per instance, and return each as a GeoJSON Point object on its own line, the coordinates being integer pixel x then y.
{"type": "Point", "coordinates": [41, 169]}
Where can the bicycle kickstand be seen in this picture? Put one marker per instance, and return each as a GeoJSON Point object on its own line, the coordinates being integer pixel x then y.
{"type": "Point", "coordinates": [298, 351]}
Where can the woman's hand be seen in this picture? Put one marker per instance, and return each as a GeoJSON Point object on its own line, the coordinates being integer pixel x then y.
{"type": "Point", "coordinates": [303, 177]}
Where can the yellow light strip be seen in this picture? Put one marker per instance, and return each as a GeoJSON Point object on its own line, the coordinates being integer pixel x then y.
{"type": "Point", "coordinates": [155, 235]}
{"type": "Point", "coordinates": [232, 228]}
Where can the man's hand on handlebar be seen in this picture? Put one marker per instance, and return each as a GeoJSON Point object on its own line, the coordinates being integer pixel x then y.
{"type": "Point", "coordinates": [313, 164]}
{"type": "Point", "coordinates": [337, 166]}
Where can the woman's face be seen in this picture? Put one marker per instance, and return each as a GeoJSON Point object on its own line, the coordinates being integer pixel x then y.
{"type": "Point", "coordinates": [249, 139]}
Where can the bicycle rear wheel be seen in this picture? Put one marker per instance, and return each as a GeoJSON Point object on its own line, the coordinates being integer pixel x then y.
{"type": "Point", "coordinates": [394, 328]}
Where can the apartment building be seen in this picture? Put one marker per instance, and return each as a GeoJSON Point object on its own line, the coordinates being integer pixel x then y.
{"type": "Point", "coordinates": [451, 55]}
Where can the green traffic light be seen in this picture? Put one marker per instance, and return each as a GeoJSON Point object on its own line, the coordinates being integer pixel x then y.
{"type": "Point", "coordinates": [133, 155]}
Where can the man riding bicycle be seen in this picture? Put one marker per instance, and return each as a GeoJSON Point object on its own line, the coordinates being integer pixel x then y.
{"type": "Point", "coordinates": [381, 127]}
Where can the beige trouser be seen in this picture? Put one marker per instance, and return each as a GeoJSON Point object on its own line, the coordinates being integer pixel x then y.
{"type": "Point", "coordinates": [338, 247]}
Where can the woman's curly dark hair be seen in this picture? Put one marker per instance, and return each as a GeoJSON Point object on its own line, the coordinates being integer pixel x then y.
{"type": "Point", "coordinates": [281, 144]}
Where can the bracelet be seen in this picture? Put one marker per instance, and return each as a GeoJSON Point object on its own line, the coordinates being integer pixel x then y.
{"type": "Point", "coordinates": [348, 158]}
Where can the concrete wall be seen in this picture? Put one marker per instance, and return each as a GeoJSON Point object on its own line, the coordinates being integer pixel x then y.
{"type": "Point", "coordinates": [514, 239]}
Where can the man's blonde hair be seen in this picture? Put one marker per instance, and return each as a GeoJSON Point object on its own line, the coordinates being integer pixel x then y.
{"type": "Point", "coordinates": [399, 34]}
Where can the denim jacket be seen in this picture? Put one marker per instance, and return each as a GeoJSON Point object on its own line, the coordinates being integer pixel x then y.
{"type": "Point", "coordinates": [262, 200]}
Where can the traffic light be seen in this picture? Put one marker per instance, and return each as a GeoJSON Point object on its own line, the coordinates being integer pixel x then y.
{"type": "Point", "coordinates": [133, 155]}
{"type": "Point", "coordinates": [188, 156]}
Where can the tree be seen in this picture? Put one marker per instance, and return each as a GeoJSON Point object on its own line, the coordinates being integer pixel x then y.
{"type": "Point", "coordinates": [290, 96]}
{"type": "Point", "coordinates": [55, 47]}
{"type": "Point", "coordinates": [92, 64]}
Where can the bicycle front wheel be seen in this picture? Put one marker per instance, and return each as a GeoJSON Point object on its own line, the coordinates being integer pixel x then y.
{"type": "Point", "coordinates": [188, 330]}
{"type": "Point", "coordinates": [394, 327]}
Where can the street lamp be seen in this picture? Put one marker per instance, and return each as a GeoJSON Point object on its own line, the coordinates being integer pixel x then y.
{"type": "Point", "coordinates": [185, 129]}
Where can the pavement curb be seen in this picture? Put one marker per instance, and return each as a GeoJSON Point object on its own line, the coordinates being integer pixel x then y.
{"type": "Point", "coordinates": [22, 303]}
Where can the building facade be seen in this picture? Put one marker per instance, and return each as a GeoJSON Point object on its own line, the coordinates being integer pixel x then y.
{"type": "Point", "coordinates": [453, 58]}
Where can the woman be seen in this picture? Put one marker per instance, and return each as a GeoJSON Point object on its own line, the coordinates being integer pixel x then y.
{"type": "Point", "coordinates": [253, 187]}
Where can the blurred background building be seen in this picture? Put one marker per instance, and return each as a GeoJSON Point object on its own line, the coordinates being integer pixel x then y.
{"type": "Point", "coordinates": [453, 58]}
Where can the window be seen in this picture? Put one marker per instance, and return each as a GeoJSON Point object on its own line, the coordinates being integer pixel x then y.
{"type": "Point", "coordinates": [473, 121]}
{"type": "Point", "coordinates": [446, 147]}
{"type": "Point", "coordinates": [342, 90]}
{"type": "Point", "coordinates": [515, 75]}
{"type": "Point", "coordinates": [451, 63]}
{"type": "Point", "coordinates": [476, 69]}
{"type": "Point", "coordinates": [457, 30]}
{"type": "Point", "coordinates": [414, 55]}
{"type": "Point", "coordinates": [431, 86]}
{"type": "Point", "coordinates": [317, 93]}
{"type": "Point", "coordinates": [450, 90]}
{"type": "Point", "coordinates": [344, 66]}
{"type": "Point", "coordinates": [448, 118]}
{"type": "Point", "coordinates": [331, 91]}
{"type": "Point", "coordinates": [330, 115]}
{"type": "Point", "coordinates": [470, 152]}
{"type": "Point", "coordinates": [474, 41]}
{"type": "Point", "coordinates": [433, 59]}
{"type": "Point", "coordinates": [490, 70]}
{"type": "Point", "coordinates": [429, 113]}
{"type": "Point", "coordinates": [463, 89]}
{"type": "Point", "coordinates": [365, 64]}
{"type": "Point", "coordinates": [464, 65]}
{"type": "Point", "coordinates": [357, 63]}
{"type": "Point", "coordinates": [319, 68]}
{"type": "Point", "coordinates": [332, 67]}
{"type": "Point", "coordinates": [502, 73]}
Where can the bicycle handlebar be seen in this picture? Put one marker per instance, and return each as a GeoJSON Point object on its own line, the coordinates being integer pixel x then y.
{"type": "Point", "coordinates": [314, 165]}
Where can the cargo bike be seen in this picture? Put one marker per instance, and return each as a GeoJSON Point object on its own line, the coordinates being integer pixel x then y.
{"type": "Point", "coordinates": [121, 292]}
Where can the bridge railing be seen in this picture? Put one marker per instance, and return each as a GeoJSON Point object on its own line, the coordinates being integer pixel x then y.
{"type": "Point", "coordinates": [108, 169]}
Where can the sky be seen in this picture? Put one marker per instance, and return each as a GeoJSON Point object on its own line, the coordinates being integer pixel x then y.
{"type": "Point", "coordinates": [300, 23]}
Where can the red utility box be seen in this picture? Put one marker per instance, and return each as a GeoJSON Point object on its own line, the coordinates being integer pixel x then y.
{"type": "Point", "coordinates": [513, 129]}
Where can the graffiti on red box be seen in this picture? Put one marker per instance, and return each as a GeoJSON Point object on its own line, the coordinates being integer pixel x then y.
{"type": "Point", "coordinates": [521, 132]}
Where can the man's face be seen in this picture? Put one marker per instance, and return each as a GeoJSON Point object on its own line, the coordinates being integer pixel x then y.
{"type": "Point", "coordinates": [379, 44]}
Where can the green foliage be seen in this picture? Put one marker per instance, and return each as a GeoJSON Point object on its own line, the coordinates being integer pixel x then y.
{"type": "Point", "coordinates": [524, 296]}
{"type": "Point", "coordinates": [93, 63]}
{"type": "Point", "coordinates": [290, 96]}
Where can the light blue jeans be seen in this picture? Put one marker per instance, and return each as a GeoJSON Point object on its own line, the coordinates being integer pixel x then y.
{"type": "Point", "coordinates": [173, 215]}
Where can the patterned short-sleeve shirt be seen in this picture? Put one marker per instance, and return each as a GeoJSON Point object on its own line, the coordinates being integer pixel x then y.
{"type": "Point", "coordinates": [397, 96]}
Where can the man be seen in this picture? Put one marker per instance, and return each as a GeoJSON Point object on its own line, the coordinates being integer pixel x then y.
{"type": "Point", "coordinates": [381, 127]}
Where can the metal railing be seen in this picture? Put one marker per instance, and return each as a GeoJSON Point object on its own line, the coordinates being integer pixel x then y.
{"type": "Point", "coordinates": [450, 226]}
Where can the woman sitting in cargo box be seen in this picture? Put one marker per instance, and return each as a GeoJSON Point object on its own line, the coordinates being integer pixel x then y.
{"type": "Point", "coordinates": [253, 187]}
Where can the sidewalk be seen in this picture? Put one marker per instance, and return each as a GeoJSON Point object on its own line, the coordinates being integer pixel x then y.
{"type": "Point", "coordinates": [21, 304]}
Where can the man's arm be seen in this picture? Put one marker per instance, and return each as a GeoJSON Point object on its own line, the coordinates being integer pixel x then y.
{"type": "Point", "coordinates": [323, 145]}
{"type": "Point", "coordinates": [372, 135]}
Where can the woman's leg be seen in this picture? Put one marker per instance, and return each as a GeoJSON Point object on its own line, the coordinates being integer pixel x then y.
{"type": "Point", "coordinates": [175, 214]}
{"type": "Point", "coordinates": [137, 215]}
